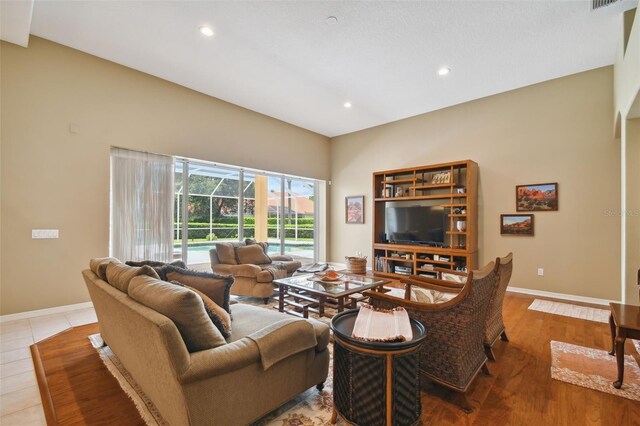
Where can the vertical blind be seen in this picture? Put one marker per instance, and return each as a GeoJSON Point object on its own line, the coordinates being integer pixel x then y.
{"type": "Point", "coordinates": [142, 191]}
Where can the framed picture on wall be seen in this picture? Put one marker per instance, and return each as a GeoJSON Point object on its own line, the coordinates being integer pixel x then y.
{"type": "Point", "coordinates": [539, 197]}
{"type": "Point", "coordinates": [516, 224]}
{"type": "Point", "coordinates": [354, 209]}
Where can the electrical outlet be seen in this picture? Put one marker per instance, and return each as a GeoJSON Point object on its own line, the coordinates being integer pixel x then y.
{"type": "Point", "coordinates": [540, 272]}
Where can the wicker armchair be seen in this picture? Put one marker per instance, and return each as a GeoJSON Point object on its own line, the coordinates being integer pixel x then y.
{"type": "Point", "coordinates": [495, 325]}
{"type": "Point", "coordinates": [453, 352]}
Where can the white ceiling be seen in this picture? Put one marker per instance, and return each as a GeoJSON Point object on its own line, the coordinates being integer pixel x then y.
{"type": "Point", "coordinates": [282, 59]}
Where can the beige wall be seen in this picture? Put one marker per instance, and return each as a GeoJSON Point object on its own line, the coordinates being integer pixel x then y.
{"type": "Point", "coordinates": [627, 113]}
{"type": "Point", "coordinates": [556, 131]}
{"type": "Point", "coordinates": [55, 178]}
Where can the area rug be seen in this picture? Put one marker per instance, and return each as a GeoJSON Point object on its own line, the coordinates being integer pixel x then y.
{"type": "Point", "coordinates": [594, 369]}
{"type": "Point", "coordinates": [568, 310]}
{"type": "Point", "coordinates": [310, 408]}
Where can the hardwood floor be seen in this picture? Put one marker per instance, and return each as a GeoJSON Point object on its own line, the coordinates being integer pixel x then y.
{"type": "Point", "coordinates": [519, 391]}
{"type": "Point", "coordinates": [79, 387]}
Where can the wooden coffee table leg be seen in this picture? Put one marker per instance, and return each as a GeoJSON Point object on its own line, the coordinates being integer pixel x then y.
{"type": "Point", "coordinates": [340, 304]}
{"type": "Point", "coordinates": [321, 300]}
{"type": "Point", "coordinates": [619, 360]}
{"type": "Point", "coordinates": [612, 326]}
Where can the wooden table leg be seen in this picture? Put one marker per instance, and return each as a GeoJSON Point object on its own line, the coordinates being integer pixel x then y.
{"type": "Point", "coordinates": [340, 304]}
{"type": "Point", "coordinates": [620, 360]}
{"type": "Point", "coordinates": [612, 327]}
{"type": "Point", "coordinates": [321, 300]}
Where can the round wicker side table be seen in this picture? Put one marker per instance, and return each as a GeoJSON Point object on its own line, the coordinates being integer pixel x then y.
{"type": "Point", "coordinates": [375, 383]}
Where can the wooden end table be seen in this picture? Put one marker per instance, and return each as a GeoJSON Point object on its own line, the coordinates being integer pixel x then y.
{"type": "Point", "coordinates": [375, 383]}
{"type": "Point", "coordinates": [624, 322]}
{"type": "Point", "coordinates": [299, 295]}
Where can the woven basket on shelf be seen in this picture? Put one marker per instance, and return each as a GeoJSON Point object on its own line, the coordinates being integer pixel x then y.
{"type": "Point", "coordinates": [357, 265]}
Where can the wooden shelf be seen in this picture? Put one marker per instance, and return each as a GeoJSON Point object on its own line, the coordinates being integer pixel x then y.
{"type": "Point", "coordinates": [400, 181]}
{"type": "Point", "coordinates": [436, 262]}
{"type": "Point", "coordinates": [433, 186]}
{"type": "Point", "coordinates": [418, 183]}
{"type": "Point", "coordinates": [396, 259]}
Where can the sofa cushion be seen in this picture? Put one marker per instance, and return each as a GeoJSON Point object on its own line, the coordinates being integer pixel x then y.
{"type": "Point", "coordinates": [253, 254]}
{"type": "Point", "coordinates": [216, 287]}
{"type": "Point", "coordinates": [182, 306]}
{"type": "Point", "coordinates": [226, 253]}
{"type": "Point", "coordinates": [119, 275]}
{"type": "Point", "coordinates": [158, 266]}
{"type": "Point", "coordinates": [99, 266]}
{"type": "Point", "coordinates": [290, 265]}
{"type": "Point", "coordinates": [220, 318]}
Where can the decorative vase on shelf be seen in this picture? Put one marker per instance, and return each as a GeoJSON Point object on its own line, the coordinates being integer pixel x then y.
{"type": "Point", "coordinates": [461, 225]}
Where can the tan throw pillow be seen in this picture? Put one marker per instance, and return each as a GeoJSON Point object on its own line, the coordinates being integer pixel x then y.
{"type": "Point", "coordinates": [226, 253]}
{"type": "Point", "coordinates": [252, 254]}
{"type": "Point", "coordinates": [99, 266]}
{"type": "Point", "coordinates": [119, 275]}
{"type": "Point", "coordinates": [264, 245]}
{"type": "Point", "coordinates": [216, 287]}
{"type": "Point", "coordinates": [182, 306]}
{"type": "Point", "coordinates": [219, 317]}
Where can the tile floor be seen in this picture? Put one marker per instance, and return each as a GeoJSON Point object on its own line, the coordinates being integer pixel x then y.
{"type": "Point", "coordinates": [20, 403]}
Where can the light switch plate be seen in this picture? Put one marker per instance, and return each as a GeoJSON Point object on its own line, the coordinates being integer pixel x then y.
{"type": "Point", "coordinates": [44, 233]}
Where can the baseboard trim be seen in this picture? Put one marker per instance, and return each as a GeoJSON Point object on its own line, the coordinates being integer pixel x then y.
{"type": "Point", "coordinates": [561, 296]}
{"type": "Point", "coordinates": [46, 311]}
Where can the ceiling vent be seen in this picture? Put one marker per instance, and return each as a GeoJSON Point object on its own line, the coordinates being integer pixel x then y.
{"type": "Point", "coordinates": [597, 4]}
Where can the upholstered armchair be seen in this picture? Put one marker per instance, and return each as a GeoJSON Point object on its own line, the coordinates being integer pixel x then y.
{"type": "Point", "coordinates": [252, 267]}
{"type": "Point", "coordinates": [453, 354]}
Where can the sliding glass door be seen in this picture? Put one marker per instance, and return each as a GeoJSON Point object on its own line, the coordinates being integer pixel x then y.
{"type": "Point", "coordinates": [215, 203]}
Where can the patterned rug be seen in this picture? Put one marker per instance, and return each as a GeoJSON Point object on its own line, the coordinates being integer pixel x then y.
{"type": "Point", "coordinates": [573, 311]}
{"type": "Point", "coordinates": [594, 369]}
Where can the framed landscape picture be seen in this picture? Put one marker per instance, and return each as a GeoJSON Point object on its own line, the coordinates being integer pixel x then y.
{"type": "Point", "coordinates": [354, 209]}
{"type": "Point", "coordinates": [516, 224]}
{"type": "Point", "coordinates": [537, 198]}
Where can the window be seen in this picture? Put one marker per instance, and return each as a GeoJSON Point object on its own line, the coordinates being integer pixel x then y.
{"type": "Point", "coordinates": [223, 203]}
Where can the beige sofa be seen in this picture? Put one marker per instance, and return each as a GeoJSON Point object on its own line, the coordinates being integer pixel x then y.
{"type": "Point", "coordinates": [267, 360]}
{"type": "Point", "coordinates": [255, 277]}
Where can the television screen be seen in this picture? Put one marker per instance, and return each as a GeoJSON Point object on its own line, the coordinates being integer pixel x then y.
{"type": "Point", "coordinates": [415, 224]}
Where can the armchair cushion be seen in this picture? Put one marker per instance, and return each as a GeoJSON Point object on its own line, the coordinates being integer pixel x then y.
{"type": "Point", "coordinates": [216, 287]}
{"type": "Point", "coordinates": [226, 253]}
{"type": "Point", "coordinates": [119, 275]}
{"type": "Point", "coordinates": [253, 254]}
{"type": "Point", "coordinates": [183, 306]}
{"type": "Point", "coordinates": [264, 245]}
{"type": "Point", "coordinates": [282, 339]}
{"type": "Point", "coordinates": [454, 277]}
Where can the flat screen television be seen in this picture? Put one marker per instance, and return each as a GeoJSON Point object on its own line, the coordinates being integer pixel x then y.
{"type": "Point", "coordinates": [415, 225]}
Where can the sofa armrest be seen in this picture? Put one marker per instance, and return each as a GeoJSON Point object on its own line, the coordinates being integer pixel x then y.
{"type": "Point", "coordinates": [245, 270]}
{"type": "Point", "coordinates": [221, 360]}
{"type": "Point", "coordinates": [281, 257]}
{"type": "Point", "coordinates": [282, 339]}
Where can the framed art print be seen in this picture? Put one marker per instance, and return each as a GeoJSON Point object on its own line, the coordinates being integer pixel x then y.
{"type": "Point", "coordinates": [538, 197]}
{"type": "Point", "coordinates": [354, 209]}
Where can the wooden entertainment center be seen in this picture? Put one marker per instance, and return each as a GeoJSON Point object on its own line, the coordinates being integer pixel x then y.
{"type": "Point", "coordinates": [451, 188]}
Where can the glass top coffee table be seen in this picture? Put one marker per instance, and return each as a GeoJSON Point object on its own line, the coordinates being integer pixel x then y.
{"type": "Point", "coordinates": [302, 294]}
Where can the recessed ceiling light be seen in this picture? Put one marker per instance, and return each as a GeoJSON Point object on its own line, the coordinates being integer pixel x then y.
{"type": "Point", "coordinates": [331, 20]}
{"type": "Point", "coordinates": [206, 31]}
{"type": "Point", "coordinates": [347, 104]}
{"type": "Point", "coordinates": [444, 71]}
